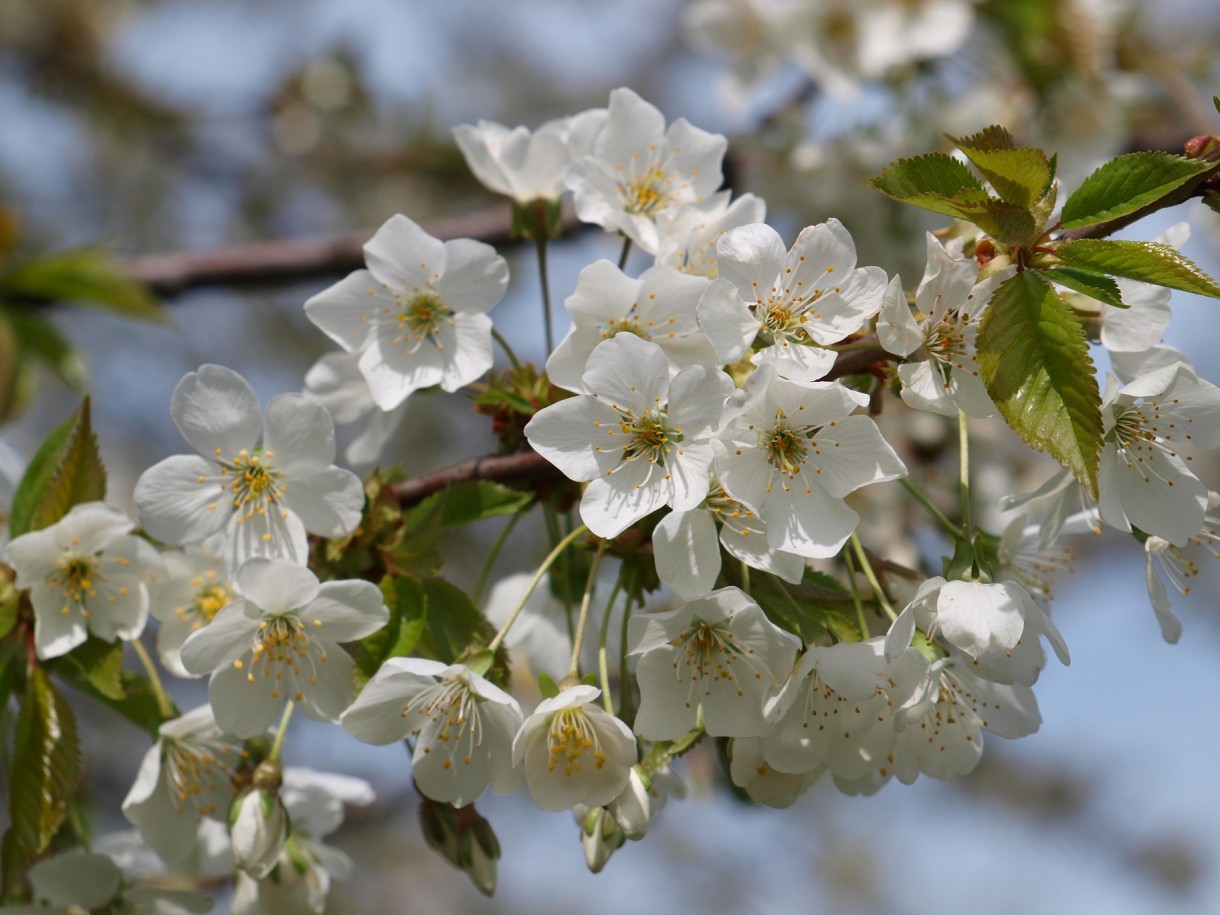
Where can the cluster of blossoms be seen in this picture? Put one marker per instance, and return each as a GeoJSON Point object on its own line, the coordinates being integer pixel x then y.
{"type": "Point", "coordinates": [704, 408]}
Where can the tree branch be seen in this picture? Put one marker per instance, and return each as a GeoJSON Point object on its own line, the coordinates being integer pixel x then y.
{"type": "Point", "coordinates": [298, 259]}
{"type": "Point", "coordinates": [530, 467]}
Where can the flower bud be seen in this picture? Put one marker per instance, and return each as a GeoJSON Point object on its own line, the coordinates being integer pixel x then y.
{"type": "Point", "coordinates": [600, 837]}
{"type": "Point", "coordinates": [258, 831]}
{"type": "Point", "coordinates": [632, 810]}
{"type": "Point", "coordinates": [463, 838]}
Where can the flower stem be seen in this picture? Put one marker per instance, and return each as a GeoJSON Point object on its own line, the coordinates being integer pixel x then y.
{"type": "Point", "coordinates": [282, 730]}
{"type": "Point", "coordinates": [625, 699]}
{"type": "Point", "coordinates": [551, 519]}
{"type": "Point", "coordinates": [745, 578]}
{"type": "Point", "coordinates": [937, 515]}
{"type": "Point", "coordinates": [855, 594]}
{"type": "Point", "coordinates": [882, 600]}
{"type": "Point", "coordinates": [603, 663]}
{"type": "Point", "coordinates": [508, 350]}
{"type": "Point", "coordinates": [585, 600]}
{"type": "Point", "coordinates": [485, 572]}
{"type": "Point", "coordinates": [542, 570]}
{"type": "Point", "coordinates": [164, 704]}
{"type": "Point", "coordinates": [964, 444]}
{"type": "Point", "coordinates": [622, 258]}
{"type": "Point", "coordinates": [540, 246]}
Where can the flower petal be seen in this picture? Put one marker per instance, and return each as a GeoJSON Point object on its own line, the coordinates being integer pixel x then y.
{"type": "Point", "coordinates": [216, 410]}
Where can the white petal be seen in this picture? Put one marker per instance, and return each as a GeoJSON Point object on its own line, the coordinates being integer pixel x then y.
{"type": "Point", "coordinates": [1171, 626]}
{"type": "Point", "coordinates": [403, 254]}
{"type": "Point", "coordinates": [216, 409]}
{"type": "Point", "coordinates": [896, 326]}
{"type": "Point", "coordinates": [273, 534]}
{"type": "Point", "coordinates": [726, 320]}
{"type": "Point", "coordinates": [347, 610]}
{"type": "Point", "coordinates": [326, 687]}
{"type": "Point", "coordinates": [686, 551]}
{"type": "Point", "coordinates": [175, 507]}
{"type": "Point", "coordinates": [343, 311]}
{"type": "Point", "coordinates": [275, 586]}
{"type": "Point", "coordinates": [475, 276]}
{"type": "Point", "coordinates": [245, 706]}
{"type": "Point", "coordinates": [329, 503]}
{"type": "Point", "coordinates": [223, 640]}
{"type": "Point", "coordinates": [299, 435]}
{"type": "Point", "coordinates": [573, 434]}
{"type": "Point", "coordinates": [611, 504]}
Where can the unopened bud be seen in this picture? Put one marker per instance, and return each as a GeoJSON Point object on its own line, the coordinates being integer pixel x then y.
{"type": "Point", "coordinates": [258, 831]}
{"type": "Point", "coordinates": [268, 776]}
{"type": "Point", "coordinates": [600, 837]}
{"type": "Point", "coordinates": [632, 809]}
{"type": "Point", "coordinates": [1198, 147]}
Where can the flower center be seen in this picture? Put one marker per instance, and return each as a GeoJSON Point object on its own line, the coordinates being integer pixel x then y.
{"type": "Point", "coordinates": [627, 325]}
{"type": "Point", "coordinates": [787, 446]}
{"type": "Point", "coordinates": [76, 576]}
{"type": "Point", "coordinates": [649, 436]}
{"type": "Point", "coordinates": [423, 314]}
{"type": "Point", "coordinates": [644, 194]}
{"type": "Point", "coordinates": [707, 653]}
{"type": "Point", "coordinates": [448, 715]}
{"type": "Point", "coordinates": [201, 774]}
{"type": "Point", "coordinates": [570, 738]}
{"type": "Point", "coordinates": [283, 647]}
{"type": "Point", "coordinates": [253, 481]}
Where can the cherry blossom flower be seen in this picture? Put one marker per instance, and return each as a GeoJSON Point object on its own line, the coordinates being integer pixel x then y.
{"type": "Point", "coordinates": [837, 709]}
{"type": "Point", "coordinates": [262, 497]}
{"type": "Point", "coordinates": [574, 752]}
{"type": "Point", "coordinates": [278, 641]}
{"type": "Point", "coordinates": [942, 732]}
{"type": "Point", "coordinates": [185, 776]}
{"type": "Point", "coordinates": [658, 307]}
{"type": "Point", "coordinates": [996, 625]}
{"type": "Point", "coordinates": [689, 234]}
{"type": "Point", "coordinates": [462, 726]}
{"type": "Point", "coordinates": [950, 303]}
{"type": "Point", "coordinates": [259, 831]}
{"type": "Point", "coordinates": [416, 316]}
{"type": "Point", "coordinates": [1143, 481]}
{"type": "Point", "coordinates": [717, 656]}
{"type": "Point", "coordinates": [642, 440]}
{"type": "Point", "coordinates": [687, 551]}
{"type": "Point", "coordinates": [788, 303]}
{"type": "Point", "coordinates": [1176, 565]}
{"type": "Point", "coordinates": [336, 382]}
{"type": "Point", "coordinates": [794, 453]}
{"type": "Point", "coordinates": [77, 881]}
{"type": "Point", "coordinates": [638, 169]}
{"type": "Point", "coordinates": [525, 165]}
{"type": "Point", "coordinates": [193, 589]}
{"type": "Point", "coordinates": [765, 785]}
{"type": "Point", "coordinates": [85, 573]}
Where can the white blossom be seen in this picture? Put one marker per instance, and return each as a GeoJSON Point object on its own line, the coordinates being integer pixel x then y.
{"type": "Point", "coordinates": [259, 831]}
{"type": "Point", "coordinates": [185, 776]}
{"type": "Point", "coordinates": [658, 307]}
{"type": "Point", "coordinates": [792, 455]}
{"type": "Point", "coordinates": [638, 169]}
{"type": "Point", "coordinates": [837, 709]}
{"type": "Point", "coordinates": [187, 596]}
{"type": "Point", "coordinates": [718, 657]}
{"type": "Point", "coordinates": [336, 382]}
{"type": "Point", "coordinates": [1144, 482]}
{"type": "Point", "coordinates": [78, 881]}
{"type": "Point", "coordinates": [765, 785]}
{"type": "Point", "coordinates": [949, 303]}
{"type": "Point", "coordinates": [86, 573]}
{"type": "Point", "coordinates": [689, 234]}
{"type": "Point", "coordinates": [462, 726]}
{"type": "Point", "coordinates": [788, 304]}
{"type": "Point", "coordinates": [278, 641]}
{"type": "Point", "coordinates": [525, 165]}
{"type": "Point", "coordinates": [574, 752]}
{"type": "Point", "coordinates": [263, 497]}
{"type": "Point", "coordinates": [641, 440]}
{"type": "Point", "coordinates": [417, 315]}
{"type": "Point", "coordinates": [1177, 565]}
{"type": "Point", "coordinates": [996, 625]}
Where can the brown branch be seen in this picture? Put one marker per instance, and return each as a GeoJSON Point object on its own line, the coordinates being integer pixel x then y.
{"type": "Point", "coordinates": [530, 467]}
{"type": "Point", "coordinates": [297, 259]}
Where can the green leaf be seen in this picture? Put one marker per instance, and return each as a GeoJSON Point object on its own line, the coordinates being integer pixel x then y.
{"type": "Point", "coordinates": [1035, 362]}
{"type": "Point", "coordinates": [415, 552]}
{"type": "Point", "coordinates": [405, 598]}
{"type": "Point", "coordinates": [1003, 221]}
{"type": "Point", "coordinates": [453, 622]}
{"type": "Point", "coordinates": [138, 703]}
{"type": "Point", "coordinates": [66, 470]}
{"type": "Point", "coordinates": [43, 776]}
{"type": "Point", "coordinates": [478, 499]}
{"type": "Point", "coordinates": [930, 181]}
{"type": "Point", "coordinates": [98, 663]}
{"type": "Point", "coordinates": [1129, 183]}
{"type": "Point", "coordinates": [1146, 261]}
{"type": "Point", "coordinates": [1094, 286]}
{"type": "Point", "coordinates": [547, 686]}
{"type": "Point", "coordinates": [87, 276]}
{"type": "Point", "coordinates": [1020, 174]}
{"type": "Point", "coordinates": [39, 337]}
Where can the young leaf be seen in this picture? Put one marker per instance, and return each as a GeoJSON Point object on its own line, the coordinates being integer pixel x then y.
{"type": "Point", "coordinates": [453, 624]}
{"type": "Point", "coordinates": [1129, 183]}
{"type": "Point", "coordinates": [1146, 261]}
{"type": "Point", "coordinates": [930, 181]}
{"type": "Point", "coordinates": [66, 470]}
{"type": "Point", "coordinates": [43, 775]}
{"type": "Point", "coordinates": [87, 276]}
{"type": "Point", "coordinates": [1003, 221]}
{"type": "Point", "coordinates": [1020, 174]}
{"type": "Point", "coordinates": [99, 663]}
{"type": "Point", "coordinates": [416, 551]}
{"type": "Point", "coordinates": [1094, 286]}
{"type": "Point", "coordinates": [136, 702]}
{"type": "Point", "coordinates": [39, 337]}
{"type": "Point", "coordinates": [478, 499]}
{"type": "Point", "coordinates": [1035, 362]}
{"type": "Point", "coordinates": [407, 603]}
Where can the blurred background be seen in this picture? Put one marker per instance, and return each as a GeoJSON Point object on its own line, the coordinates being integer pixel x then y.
{"type": "Point", "coordinates": [149, 126]}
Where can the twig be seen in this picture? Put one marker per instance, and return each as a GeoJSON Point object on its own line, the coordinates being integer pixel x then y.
{"type": "Point", "coordinates": [306, 258]}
